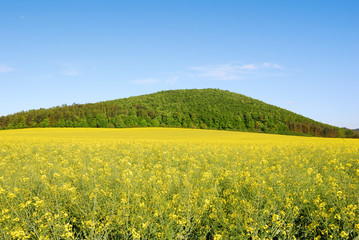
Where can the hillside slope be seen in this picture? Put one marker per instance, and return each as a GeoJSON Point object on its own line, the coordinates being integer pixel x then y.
{"type": "Point", "coordinates": [194, 108]}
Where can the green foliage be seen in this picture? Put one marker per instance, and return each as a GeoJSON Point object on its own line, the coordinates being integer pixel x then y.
{"type": "Point", "coordinates": [143, 123]}
{"type": "Point", "coordinates": [195, 108]}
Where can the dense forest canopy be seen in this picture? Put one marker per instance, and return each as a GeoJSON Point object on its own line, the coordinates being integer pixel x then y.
{"type": "Point", "coordinates": [194, 108]}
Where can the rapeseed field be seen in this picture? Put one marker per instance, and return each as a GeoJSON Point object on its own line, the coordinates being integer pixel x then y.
{"type": "Point", "coordinates": [159, 183]}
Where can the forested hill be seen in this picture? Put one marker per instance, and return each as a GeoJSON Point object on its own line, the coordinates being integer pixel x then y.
{"type": "Point", "coordinates": [204, 108]}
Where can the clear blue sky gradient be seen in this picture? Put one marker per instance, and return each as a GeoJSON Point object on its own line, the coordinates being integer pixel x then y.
{"type": "Point", "coordinates": [299, 55]}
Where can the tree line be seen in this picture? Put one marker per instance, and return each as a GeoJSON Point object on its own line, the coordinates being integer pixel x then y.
{"type": "Point", "coordinates": [204, 108]}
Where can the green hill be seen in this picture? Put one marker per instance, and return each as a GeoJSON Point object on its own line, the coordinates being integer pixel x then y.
{"type": "Point", "coordinates": [203, 108]}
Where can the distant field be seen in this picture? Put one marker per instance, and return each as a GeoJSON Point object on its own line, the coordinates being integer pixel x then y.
{"type": "Point", "coordinates": [162, 183]}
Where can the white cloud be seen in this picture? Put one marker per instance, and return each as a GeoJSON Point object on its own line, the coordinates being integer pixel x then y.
{"type": "Point", "coordinates": [233, 71]}
{"type": "Point", "coordinates": [224, 72]}
{"type": "Point", "coordinates": [271, 65]}
{"type": "Point", "coordinates": [249, 67]}
{"type": "Point", "coordinates": [5, 69]}
{"type": "Point", "coordinates": [145, 81]}
{"type": "Point", "coordinates": [218, 72]}
{"type": "Point", "coordinates": [290, 102]}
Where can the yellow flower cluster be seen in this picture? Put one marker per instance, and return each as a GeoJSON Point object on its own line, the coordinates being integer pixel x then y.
{"type": "Point", "coordinates": [158, 183]}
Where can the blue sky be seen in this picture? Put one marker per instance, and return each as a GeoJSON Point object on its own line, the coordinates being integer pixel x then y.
{"type": "Point", "coordinates": [299, 55]}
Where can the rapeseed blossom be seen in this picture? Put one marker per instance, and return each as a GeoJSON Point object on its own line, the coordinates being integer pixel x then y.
{"type": "Point", "coordinates": [157, 183]}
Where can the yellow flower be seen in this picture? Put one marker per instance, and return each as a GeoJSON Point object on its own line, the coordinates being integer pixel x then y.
{"type": "Point", "coordinates": [343, 234]}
